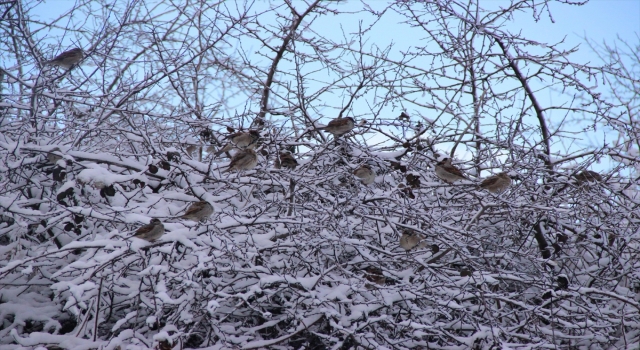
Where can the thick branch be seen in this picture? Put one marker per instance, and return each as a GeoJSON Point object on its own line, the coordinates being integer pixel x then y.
{"type": "Point", "coordinates": [536, 106]}
{"type": "Point", "coordinates": [274, 65]}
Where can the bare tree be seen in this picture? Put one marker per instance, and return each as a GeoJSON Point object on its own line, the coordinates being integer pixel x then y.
{"type": "Point", "coordinates": [307, 255]}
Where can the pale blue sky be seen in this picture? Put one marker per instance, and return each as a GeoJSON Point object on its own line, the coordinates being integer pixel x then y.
{"type": "Point", "coordinates": [598, 20]}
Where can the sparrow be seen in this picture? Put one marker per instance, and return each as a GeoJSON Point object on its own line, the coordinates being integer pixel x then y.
{"type": "Point", "coordinates": [496, 183]}
{"type": "Point", "coordinates": [448, 172]}
{"type": "Point", "coordinates": [246, 159]}
{"type": "Point", "coordinates": [339, 126]}
{"type": "Point", "coordinates": [588, 176]}
{"type": "Point", "coordinates": [151, 231]}
{"type": "Point", "coordinates": [67, 58]}
{"type": "Point", "coordinates": [286, 160]}
{"type": "Point", "coordinates": [374, 274]}
{"type": "Point", "coordinates": [198, 211]}
{"type": "Point", "coordinates": [190, 149]}
{"type": "Point", "coordinates": [366, 174]}
{"type": "Point", "coordinates": [240, 140]}
{"type": "Point", "coordinates": [410, 239]}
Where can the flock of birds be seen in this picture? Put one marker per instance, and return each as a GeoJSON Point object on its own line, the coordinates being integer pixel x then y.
{"type": "Point", "coordinates": [246, 159]}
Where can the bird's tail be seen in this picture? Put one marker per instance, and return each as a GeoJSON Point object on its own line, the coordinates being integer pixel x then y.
{"type": "Point", "coordinates": [226, 148]}
{"type": "Point", "coordinates": [223, 167]}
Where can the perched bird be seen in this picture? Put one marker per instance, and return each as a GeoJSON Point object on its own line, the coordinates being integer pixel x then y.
{"type": "Point", "coordinates": [67, 58]}
{"type": "Point", "coordinates": [339, 126]}
{"type": "Point", "coordinates": [191, 148]}
{"type": "Point", "coordinates": [286, 160]}
{"type": "Point", "coordinates": [366, 174]}
{"type": "Point", "coordinates": [198, 211]}
{"type": "Point", "coordinates": [243, 160]}
{"type": "Point", "coordinates": [410, 239]}
{"type": "Point", "coordinates": [374, 274]}
{"type": "Point", "coordinates": [240, 140]}
{"type": "Point", "coordinates": [151, 231]}
{"type": "Point", "coordinates": [587, 176]}
{"type": "Point", "coordinates": [448, 172]}
{"type": "Point", "coordinates": [496, 183]}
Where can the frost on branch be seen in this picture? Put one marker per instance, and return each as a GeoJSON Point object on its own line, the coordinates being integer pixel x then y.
{"type": "Point", "coordinates": [305, 250]}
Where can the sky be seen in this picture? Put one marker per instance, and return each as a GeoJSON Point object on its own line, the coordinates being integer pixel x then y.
{"type": "Point", "coordinates": [598, 20]}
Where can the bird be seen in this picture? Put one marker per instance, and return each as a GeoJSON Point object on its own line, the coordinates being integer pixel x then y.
{"type": "Point", "coordinates": [339, 126]}
{"type": "Point", "coordinates": [374, 274]}
{"type": "Point", "coordinates": [587, 176]}
{"type": "Point", "coordinates": [67, 58]}
{"type": "Point", "coordinates": [286, 160]}
{"type": "Point", "coordinates": [151, 231]}
{"type": "Point", "coordinates": [198, 211]}
{"type": "Point", "coordinates": [410, 239]}
{"type": "Point", "coordinates": [448, 172]}
{"type": "Point", "coordinates": [496, 183]}
{"type": "Point", "coordinates": [240, 140]}
{"type": "Point", "coordinates": [246, 159]}
{"type": "Point", "coordinates": [190, 149]}
{"type": "Point", "coordinates": [366, 174]}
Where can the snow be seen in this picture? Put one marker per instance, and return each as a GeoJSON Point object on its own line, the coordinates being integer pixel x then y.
{"type": "Point", "coordinates": [295, 258]}
{"type": "Point", "coordinates": [65, 341]}
{"type": "Point", "coordinates": [100, 175]}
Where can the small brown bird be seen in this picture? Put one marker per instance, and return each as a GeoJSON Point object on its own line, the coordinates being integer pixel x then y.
{"type": "Point", "coordinates": [151, 231]}
{"type": "Point", "coordinates": [448, 172]}
{"type": "Point", "coordinates": [410, 239]}
{"type": "Point", "coordinates": [67, 58]}
{"type": "Point", "coordinates": [198, 211]}
{"type": "Point", "coordinates": [374, 274]}
{"type": "Point", "coordinates": [190, 149]}
{"type": "Point", "coordinates": [339, 126]}
{"type": "Point", "coordinates": [366, 174]}
{"type": "Point", "coordinates": [587, 176]}
{"type": "Point", "coordinates": [286, 160]}
{"type": "Point", "coordinates": [246, 159]}
{"type": "Point", "coordinates": [496, 183]}
{"type": "Point", "coordinates": [240, 140]}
